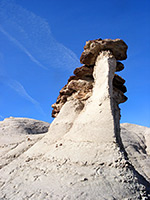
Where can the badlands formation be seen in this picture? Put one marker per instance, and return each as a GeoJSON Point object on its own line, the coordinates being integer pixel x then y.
{"type": "Point", "coordinates": [84, 154]}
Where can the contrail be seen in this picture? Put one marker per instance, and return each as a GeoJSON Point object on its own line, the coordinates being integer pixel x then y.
{"type": "Point", "coordinates": [21, 47]}
{"type": "Point", "coordinates": [18, 87]}
{"type": "Point", "coordinates": [1, 117]}
{"type": "Point", "coordinates": [15, 85]}
{"type": "Point", "coordinates": [33, 36]}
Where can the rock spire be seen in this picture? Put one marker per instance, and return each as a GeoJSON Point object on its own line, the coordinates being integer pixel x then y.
{"type": "Point", "coordinates": [80, 85]}
{"type": "Point", "coordinates": [97, 91]}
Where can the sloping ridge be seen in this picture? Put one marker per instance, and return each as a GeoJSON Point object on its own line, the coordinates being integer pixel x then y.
{"type": "Point", "coordinates": [32, 177]}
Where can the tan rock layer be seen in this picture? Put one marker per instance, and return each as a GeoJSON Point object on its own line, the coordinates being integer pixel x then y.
{"type": "Point", "coordinates": [77, 88]}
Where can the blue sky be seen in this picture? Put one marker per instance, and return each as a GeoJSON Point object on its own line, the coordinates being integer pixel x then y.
{"type": "Point", "coordinates": [41, 43]}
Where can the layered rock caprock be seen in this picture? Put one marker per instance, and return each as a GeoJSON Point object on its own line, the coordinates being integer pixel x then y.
{"type": "Point", "coordinates": [93, 47]}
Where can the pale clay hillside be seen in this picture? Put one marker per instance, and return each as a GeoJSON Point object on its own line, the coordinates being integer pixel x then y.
{"type": "Point", "coordinates": [84, 153]}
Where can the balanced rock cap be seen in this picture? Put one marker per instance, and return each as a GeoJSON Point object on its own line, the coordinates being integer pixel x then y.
{"type": "Point", "coordinates": [93, 47]}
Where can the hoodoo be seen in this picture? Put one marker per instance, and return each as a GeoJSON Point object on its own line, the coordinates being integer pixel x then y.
{"type": "Point", "coordinates": [82, 155]}
{"type": "Point", "coordinates": [88, 116]}
{"type": "Point", "coordinates": [98, 91]}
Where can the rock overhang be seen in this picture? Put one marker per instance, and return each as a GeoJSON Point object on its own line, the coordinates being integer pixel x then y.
{"type": "Point", "coordinates": [93, 47]}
